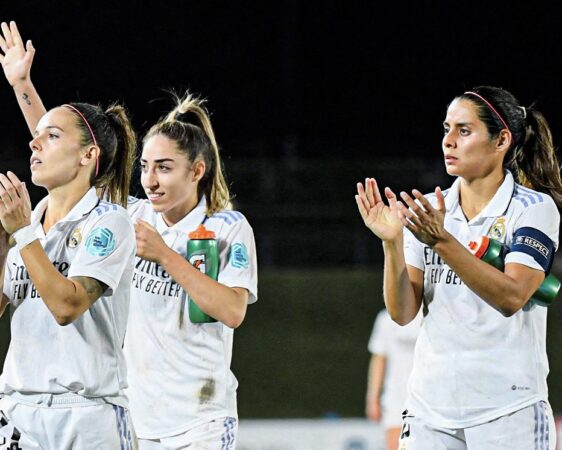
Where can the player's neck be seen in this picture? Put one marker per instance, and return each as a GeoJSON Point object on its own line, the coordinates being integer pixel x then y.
{"type": "Point", "coordinates": [61, 202]}
{"type": "Point", "coordinates": [179, 211]}
{"type": "Point", "coordinates": [475, 195]}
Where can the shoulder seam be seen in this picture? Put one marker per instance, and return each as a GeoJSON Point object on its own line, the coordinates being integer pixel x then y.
{"type": "Point", "coordinates": [230, 217]}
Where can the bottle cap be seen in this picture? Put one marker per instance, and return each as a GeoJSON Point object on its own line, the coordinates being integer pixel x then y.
{"type": "Point", "coordinates": [479, 247]}
{"type": "Point", "coordinates": [201, 233]}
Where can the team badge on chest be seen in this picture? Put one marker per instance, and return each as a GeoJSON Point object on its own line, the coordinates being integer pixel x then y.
{"type": "Point", "coordinates": [497, 230]}
{"type": "Point", "coordinates": [74, 239]}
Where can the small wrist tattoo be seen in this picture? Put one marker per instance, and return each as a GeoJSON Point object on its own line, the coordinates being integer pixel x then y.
{"type": "Point", "coordinates": [26, 98]}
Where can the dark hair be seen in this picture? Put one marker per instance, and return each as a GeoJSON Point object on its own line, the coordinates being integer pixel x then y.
{"type": "Point", "coordinates": [117, 142]}
{"type": "Point", "coordinates": [532, 155]}
{"type": "Point", "coordinates": [197, 140]}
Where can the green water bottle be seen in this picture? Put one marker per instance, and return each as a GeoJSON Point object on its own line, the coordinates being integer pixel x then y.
{"type": "Point", "coordinates": [493, 252]}
{"type": "Point", "coordinates": [203, 254]}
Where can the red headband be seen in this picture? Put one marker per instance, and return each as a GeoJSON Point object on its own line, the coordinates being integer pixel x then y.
{"type": "Point", "coordinates": [489, 106]}
{"type": "Point", "coordinates": [77, 111]}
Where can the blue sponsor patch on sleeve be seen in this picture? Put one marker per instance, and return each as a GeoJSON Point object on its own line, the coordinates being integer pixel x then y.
{"type": "Point", "coordinates": [535, 244]}
{"type": "Point", "coordinates": [100, 242]}
{"type": "Point", "coordinates": [239, 256]}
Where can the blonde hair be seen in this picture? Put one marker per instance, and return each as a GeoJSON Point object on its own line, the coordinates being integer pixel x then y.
{"type": "Point", "coordinates": [196, 139]}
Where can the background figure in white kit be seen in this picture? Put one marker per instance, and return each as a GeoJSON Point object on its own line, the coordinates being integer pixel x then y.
{"type": "Point", "coordinates": [392, 356]}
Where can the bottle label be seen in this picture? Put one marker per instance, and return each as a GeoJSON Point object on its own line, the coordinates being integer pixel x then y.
{"type": "Point", "coordinates": [198, 260]}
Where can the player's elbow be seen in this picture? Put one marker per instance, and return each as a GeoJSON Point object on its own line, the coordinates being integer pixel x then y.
{"type": "Point", "coordinates": [236, 310]}
{"type": "Point", "coordinates": [508, 311]}
{"type": "Point", "coordinates": [64, 320]}
{"type": "Point", "coordinates": [65, 316]}
{"type": "Point", "coordinates": [402, 321]}
{"type": "Point", "coordinates": [235, 319]}
{"type": "Point", "coordinates": [510, 306]}
{"type": "Point", "coordinates": [402, 318]}
{"type": "Point", "coordinates": [65, 312]}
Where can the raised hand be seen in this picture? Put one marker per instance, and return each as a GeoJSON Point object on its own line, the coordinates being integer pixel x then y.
{"type": "Point", "coordinates": [421, 218]}
{"type": "Point", "coordinates": [380, 218]}
{"type": "Point", "coordinates": [15, 203]}
{"type": "Point", "coordinates": [16, 59]}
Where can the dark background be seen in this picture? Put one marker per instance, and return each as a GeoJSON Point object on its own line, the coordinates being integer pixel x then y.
{"type": "Point", "coordinates": [307, 98]}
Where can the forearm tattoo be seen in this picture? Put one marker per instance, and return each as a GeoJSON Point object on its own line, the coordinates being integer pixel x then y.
{"type": "Point", "coordinates": [25, 98]}
{"type": "Point", "coordinates": [94, 288]}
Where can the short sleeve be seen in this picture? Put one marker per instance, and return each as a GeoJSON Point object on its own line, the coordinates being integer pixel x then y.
{"type": "Point", "coordinates": [413, 250]}
{"type": "Point", "coordinates": [543, 216]}
{"type": "Point", "coordinates": [7, 287]}
{"type": "Point", "coordinates": [106, 249]}
{"type": "Point", "coordinates": [238, 259]}
{"type": "Point", "coordinates": [134, 205]}
{"type": "Point", "coordinates": [378, 342]}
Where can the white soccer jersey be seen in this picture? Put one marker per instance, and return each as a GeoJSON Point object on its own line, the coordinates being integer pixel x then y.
{"type": "Point", "coordinates": [396, 343]}
{"type": "Point", "coordinates": [179, 372]}
{"type": "Point", "coordinates": [472, 364]}
{"type": "Point", "coordinates": [95, 239]}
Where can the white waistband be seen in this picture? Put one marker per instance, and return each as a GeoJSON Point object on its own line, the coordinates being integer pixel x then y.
{"type": "Point", "coordinates": [55, 400]}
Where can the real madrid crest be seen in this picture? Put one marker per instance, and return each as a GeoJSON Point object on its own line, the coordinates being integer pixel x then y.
{"type": "Point", "coordinates": [75, 238]}
{"type": "Point", "coordinates": [497, 230]}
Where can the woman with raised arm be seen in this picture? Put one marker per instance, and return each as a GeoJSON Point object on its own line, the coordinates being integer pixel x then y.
{"type": "Point", "coordinates": [181, 388]}
{"type": "Point", "coordinates": [16, 62]}
{"type": "Point", "coordinates": [480, 368]}
{"type": "Point", "coordinates": [68, 283]}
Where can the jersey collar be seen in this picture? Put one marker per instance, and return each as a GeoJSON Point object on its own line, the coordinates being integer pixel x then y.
{"type": "Point", "coordinates": [495, 208]}
{"type": "Point", "coordinates": [189, 223]}
{"type": "Point", "coordinates": [84, 206]}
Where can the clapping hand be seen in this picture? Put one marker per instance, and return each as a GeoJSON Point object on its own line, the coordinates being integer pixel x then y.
{"type": "Point", "coordinates": [15, 203]}
{"type": "Point", "coordinates": [418, 215]}
{"type": "Point", "coordinates": [380, 218]}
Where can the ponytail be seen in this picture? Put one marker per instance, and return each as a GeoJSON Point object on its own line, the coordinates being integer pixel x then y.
{"type": "Point", "coordinates": [117, 178]}
{"type": "Point", "coordinates": [535, 162]}
{"type": "Point", "coordinates": [196, 138]}
{"type": "Point", "coordinates": [532, 155]}
{"type": "Point", "coordinates": [112, 131]}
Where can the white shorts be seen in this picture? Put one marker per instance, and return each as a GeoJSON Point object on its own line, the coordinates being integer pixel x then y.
{"type": "Point", "coordinates": [392, 416]}
{"type": "Point", "coordinates": [219, 434]}
{"type": "Point", "coordinates": [531, 428]}
{"type": "Point", "coordinates": [89, 426]}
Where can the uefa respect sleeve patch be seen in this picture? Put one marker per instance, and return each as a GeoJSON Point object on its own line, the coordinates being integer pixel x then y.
{"type": "Point", "coordinates": [100, 242]}
{"type": "Point", "coordinates": [535, 244]}
{"type": "Point", "coordinates": [239, 256]}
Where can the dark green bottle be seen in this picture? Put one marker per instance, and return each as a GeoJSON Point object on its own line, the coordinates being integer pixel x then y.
{"type": "Point", "coordinates": [203, 254]}
{"type": "Point", "coordinates": [493, 252]}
